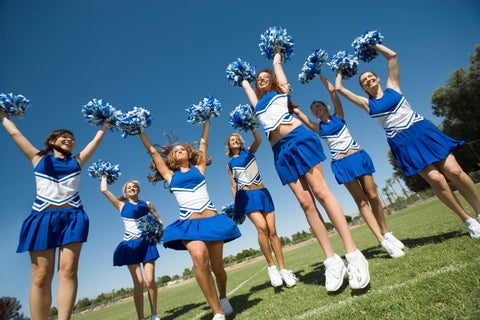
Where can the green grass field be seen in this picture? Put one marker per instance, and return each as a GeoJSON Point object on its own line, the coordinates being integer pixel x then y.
{"type": "Point", "coordinates": [438, 278]}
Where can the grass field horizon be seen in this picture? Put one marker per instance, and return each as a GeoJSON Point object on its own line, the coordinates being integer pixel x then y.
{"type": "Point", "coordinates": [438, 278]}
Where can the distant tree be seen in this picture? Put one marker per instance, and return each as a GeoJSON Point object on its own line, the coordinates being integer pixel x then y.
{"type": "Point", "coordinates": [85, 302]}
{"type": "Point", "coordinates": [164, 279]}
{"type": "Point", "coordinates": [10, 309]}
{"type": "Point", "coordinates": [328, 225]}
{"type": "Point", "coordinates": [175, 277]}
{"type": "Point", "coordinates": [348, 218]}
{"type": "Point", "coordinates": [188, 273]}
{"type": "Point", "coordinates": [459, 103]}
{"type": "Point", "coordinates": [53, 311]}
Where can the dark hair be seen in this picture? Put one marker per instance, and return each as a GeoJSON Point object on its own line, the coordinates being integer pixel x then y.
{"type": "Point", "coordinates": [363, 74]}
{"type": "Point", "coordinates": [316, 103]}
{"type": "Point", "coordinates": [273, 85]}
{"type": "Point", "coordinates": [50, 146]}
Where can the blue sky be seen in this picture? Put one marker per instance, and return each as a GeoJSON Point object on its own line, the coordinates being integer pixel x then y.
{"type": "Point", "coordinates": [165, 55]}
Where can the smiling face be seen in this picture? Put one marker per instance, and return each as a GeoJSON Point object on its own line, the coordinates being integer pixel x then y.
{"type": "Point", "coordinates": [180, 153]}
{"type": "Point", "coordinates": [368, 80]}
{"type": "Point", "coordinates": [65, 141]}
{"type": "Point", "coordinates": [263, 81]}
{"type": "Point", "coordinates": [319, 110]}
{"type": "Point", "coordinates": [131, 189]}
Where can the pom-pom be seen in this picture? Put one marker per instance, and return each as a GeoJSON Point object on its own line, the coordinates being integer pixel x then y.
{"type": "Point", "coordinates": [206, 109]}
{"type": "Point", "coordinates": [135, 121]}
{"type": "Point", "coordinates": [15, 105]}
{"type": "Point", "coordinates": [347, 63]}
{"type": "Point", "coordinates": [151, 228]}
{"type": "Point", "coordinates": [312, 67]}
{"type": "Point", "coordinates": [243, 118]}
{"type": "Point", "coordinates": [230, 212]}
{"type": "Point", "coordinates": [240, 70]}
{"type": "Point", "coordinates": [275, 39]}
{"type": "Point", "coordinates": [100, 168]}
{"type": "Point", "coordinates": [96, 111]}
{"type": "Point", "coordinates": [362, 45]}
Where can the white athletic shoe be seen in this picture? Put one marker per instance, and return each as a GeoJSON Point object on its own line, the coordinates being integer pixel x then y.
{"type": "Point", "coordinates": [358, 276]}
{"type": "Point", "coordinates": [154, 317]}
{"type": "Point", "coordinates": [391, 238]}
{"type": "Point", "coordinates": [473, 227]}
{"type": "Point", "coordinates": [392, 250]}
{"type": "Point", "coordinates": [334, 272]}
{"type": "Point", "coordinates": [219, 316]}
{"type": "Point", "coordinates": [275, 277]}
{"type": "Point", "coordinates": [226, 306]}
{"type": "Point", "coordinates": [288, 277]}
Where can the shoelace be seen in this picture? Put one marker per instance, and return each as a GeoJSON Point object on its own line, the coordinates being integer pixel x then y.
{"type": "Point", "coordinates": [290, 273]}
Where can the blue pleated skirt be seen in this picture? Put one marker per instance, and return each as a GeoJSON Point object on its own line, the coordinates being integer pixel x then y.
{"type": "Point", "coordinates": [296, 153]}
{"type": "Point", "coordinates": [420, 145]}
{"type": "Point", "coordinates": [215, 228]}
{"type": "Point", "coordinates": [52, 228]}
{"type": "Point", "coordinates": [134, 251]}
{"type": "Point", "coordinates": [247, 201]}
{"type": "Point", "coordinates": [352, 166]}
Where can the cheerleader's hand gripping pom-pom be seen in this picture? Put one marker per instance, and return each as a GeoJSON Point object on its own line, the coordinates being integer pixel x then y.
{"type": "Point", "coordinates": [135, 121]}
{"type": "Point", "coordinates": [362, 45]}
{"type": "Point", "coordinates": [206, 109]}
{"type": "Point", "coordinates": [230, 212]}
{"type": "Point", "coordinates": [243, 118]}
{"type": "Point", "coordinates": [96, 111]}
{"type": "Point", "coordinates": [312, 67]}
{"type": "Point", "coordinates": [348, 64]}
{"type": "Point", "coordinates": [151, 228]}
{"type": "Point", "coordinates": [99, 168]}
{"type": "Point", "coordinates": [240, 70]}
{"type": "Point", "coordinates": [15, 105]}
{"type": "Point", "coordinates": [275, 39]}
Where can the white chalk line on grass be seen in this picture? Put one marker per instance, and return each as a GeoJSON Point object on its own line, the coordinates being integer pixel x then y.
{"type": "Point", "coordinates": [317, 311]}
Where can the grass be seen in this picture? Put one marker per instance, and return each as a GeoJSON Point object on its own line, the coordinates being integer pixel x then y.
{"type": "Point", "coordinates": [438, 278]}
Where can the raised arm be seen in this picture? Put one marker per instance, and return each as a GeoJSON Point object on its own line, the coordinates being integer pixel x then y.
{"type": "Point", "coordinates": [152, 210]}
{"type": "Point", "coordinates": [104, 188]}
{"type": "Point", "coordinates": [393, 81]}
{"type": "Point", "coordinates": [202, 164]}
{"type": "Point", "coordinates": [252, 96]}
{"type": "Point", "coordinates": [360, 101]}
{"type": "Point", "coordinates": [90, 148]}
{"type": "Point", "coordinates": [337, 104]}
{"type": "Point", "coordinates": [233, 183]}
{"type": "Point", "coordinates": [25, 146]}
{"type": "Point", "coordinates": [312, 125]}
{"type": "Point", "coordinates": [279, 73]}
{"type": "Point", "coordinates": [157, 158]}
{"type": "Point", "coordinates": [256, 143]}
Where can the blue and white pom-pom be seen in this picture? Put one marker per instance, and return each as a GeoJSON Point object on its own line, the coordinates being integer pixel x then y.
{"type": "Point", "coordinates": [15, 105]}
{"type": "Point", "coordinates": [243, 118]}
{"type": "Point", "coordinates": [96, 111]}
{"type": "Point", "coordinates": [314, 64]}
{"type": "Point", "coordinates": [151, 228]}
{"type": "Point", "coordinates": [100, 168]}
{"type": "Point", "coordinates": [206, 109]}
{"type": "Point", "coordinates": [135, 121]}
{"type": "Point", "coordinates": [240, 70]}
{"type": "Point", "coordinates": [275, 39]}
{"type": "Point", "coordinates": [348, 64]}
{"type": "Point", "coordinates": [362, 45]}
{"type": "Point", "coordinates": [230, 212]}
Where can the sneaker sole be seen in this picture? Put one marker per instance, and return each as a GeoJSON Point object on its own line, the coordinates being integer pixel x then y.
{"type": "Point", "coordinates": [341, 283]}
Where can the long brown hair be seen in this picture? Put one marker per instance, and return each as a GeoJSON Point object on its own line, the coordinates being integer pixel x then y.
{"type": "Point", "coordinates": [272, 86]}
{"type": "Point", "coordinates": [50, 146]}
{"type": "Point", "coordinates": [227, 143]}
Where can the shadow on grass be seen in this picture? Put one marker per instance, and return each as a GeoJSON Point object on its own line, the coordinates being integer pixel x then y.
{"type": "Point", "coordinates": [176, 312]}
{"type": "Point", "coordinates": [239, 303]}
{"type": "Point", "coordinates": [417, 242]}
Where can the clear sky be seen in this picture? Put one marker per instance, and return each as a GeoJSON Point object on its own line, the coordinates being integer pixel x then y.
{"type": "Point", "coordinates": [165, 55]}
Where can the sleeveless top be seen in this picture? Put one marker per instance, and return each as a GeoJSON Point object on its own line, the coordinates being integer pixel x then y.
{"type": "Point", "coordinates": [272, 110]}
{"type": "Point", "coordinates": [244, 169]}
{"type": "Point", "coordinates": [190, 189]}
{"type": "Point", "coordinates": [337, 136]}
{"type": "Point", "coordinates": [393, 112]}
{"type": "Point", "coordinates": [132, 215]}
{"type": "Point", "coordinates": [57, 182]}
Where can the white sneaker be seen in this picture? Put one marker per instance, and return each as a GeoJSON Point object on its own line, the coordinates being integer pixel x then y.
{"type": "Point", "coordinates": [334, 272]}
{"type": "Point", "coordinates": [275, 277]}
{"type": "Point", "coordinates": [219, 316]}
{"type": "Point", "coordinates": [473, 227]}
{"type": "Point", "coordinates": [358, 276]}
{"type": "Point", "coordinates": [154, 317]}
{"type": "Point", "coordinates": [391, 238]}
{"type": "Point", "coordinates": [392, 250]}
{"type": "Point", "coordinates": [226, 306]}
{"type": "Point", "coordinates": [288, 277]}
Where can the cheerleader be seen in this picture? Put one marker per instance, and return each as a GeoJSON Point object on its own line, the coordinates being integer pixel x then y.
{"type": "Point", "coordinates": [57, 219]}
{"type": "Point", "coordinates": [418, 145]}
{"type": "Point", "coordinates": [251, 198]}
{"type": "Point", "coordinates": [297, 156]}
{"type": "Point", "coordinates": [200, 230]}
{"type": "Point", "coordinates": [351, 166]}
{"type": "Point", "coordinates": [135, 249]}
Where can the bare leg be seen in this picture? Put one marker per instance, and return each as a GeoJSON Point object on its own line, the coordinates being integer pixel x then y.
{"type": "Point", "coordinates": [370, 190]}
{"type": "Point", "coordinates": [149, 269]}
{"type": "Point", "coordinates": [68, 256]}
{"type": "Point", "coordinates": [263, 233]}
{"type": "Point", "coordinates": [43, 266]}
{"type": "Point", "coordinates": [215, 251]}
{"type": "Point", "coordinates": [274, 240]}
{"type": "Point", "coordinates": [138, 284]}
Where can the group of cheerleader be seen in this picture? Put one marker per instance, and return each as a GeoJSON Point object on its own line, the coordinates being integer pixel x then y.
{"type": "Point", "coordinates": [58, 220]}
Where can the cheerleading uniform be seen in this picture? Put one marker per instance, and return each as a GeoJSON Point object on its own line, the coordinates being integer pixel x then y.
{"type": "Point", "coordinates": [57, 182]}
{"type": "Point", "coordinates": [191, 193]}
{"type": "Point", "coordinates": [338, 138]}
{"type": "Point", "coordinates": [245, 172]}
{"type": "Point", "coordinates": [414, 141]}
{"type": "Point", "coordinates": [134, 248]}
{"type": "Point", "coordinates": [296, 152]}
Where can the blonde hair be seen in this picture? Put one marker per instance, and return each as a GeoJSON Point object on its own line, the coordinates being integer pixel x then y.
{"type": "Point", "coordinates": [227, 143]}
{"type": "Point", "coordinates": [124, 197]}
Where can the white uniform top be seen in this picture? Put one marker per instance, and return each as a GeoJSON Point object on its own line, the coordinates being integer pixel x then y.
{"type": "Point", "coordinates": [272, 110]}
